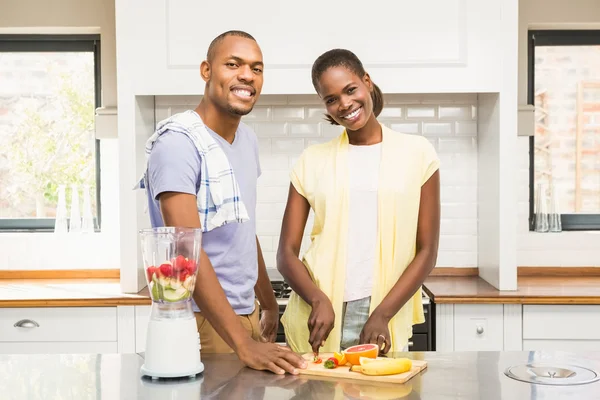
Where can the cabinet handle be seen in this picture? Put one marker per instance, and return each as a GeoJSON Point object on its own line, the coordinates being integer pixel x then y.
{"type": "Point", "coordinates": [410, 344]}
{"type": "Point", "coordinates": [479, 329]}
{"type": "Point", "coordinates": [26, 323]}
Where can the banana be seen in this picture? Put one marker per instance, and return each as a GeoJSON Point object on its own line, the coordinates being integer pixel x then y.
{"type": "Point", "coordinates": [387, 367]}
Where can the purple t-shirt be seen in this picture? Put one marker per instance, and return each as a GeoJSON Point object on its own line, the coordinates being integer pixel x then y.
{"type": "Point", "coordinates": [174, 166]}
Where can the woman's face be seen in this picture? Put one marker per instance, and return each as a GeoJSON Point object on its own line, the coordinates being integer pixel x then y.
{"type": "Point", "coordinates": [347, 97]}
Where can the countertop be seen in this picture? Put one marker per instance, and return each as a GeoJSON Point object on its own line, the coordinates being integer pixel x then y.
{"type": "Point", "coordinates": [67, 293]}
{"type": "Point", "coordinates": [530, 290]}
{"type": "Point", "coordinates": [442, 289]}
{"type": "Point", "coordinates": [472, 375]}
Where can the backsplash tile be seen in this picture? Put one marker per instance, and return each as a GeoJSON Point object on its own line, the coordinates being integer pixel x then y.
{"type": "Point", "coordinates": [285, 125]}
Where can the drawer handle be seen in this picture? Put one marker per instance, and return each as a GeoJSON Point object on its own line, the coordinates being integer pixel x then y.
{"type": "Point", "coordinates": [26, 323]}
{"type": "Point", "coordinates": [410, 344]}
{"type": "Point", "coordinates": [479, 329]}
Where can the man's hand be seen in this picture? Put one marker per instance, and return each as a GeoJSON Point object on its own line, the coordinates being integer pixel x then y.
{"type": "Point", "coordinates": [269, 322]}
{"type": "Point", "coordinates": [376, 331]}
{"type": "Point", "coordinates": [271, 357]}
{"type": "Point", "coordinates": [320, 322]}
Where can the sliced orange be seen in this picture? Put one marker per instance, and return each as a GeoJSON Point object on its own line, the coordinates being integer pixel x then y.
{"type": "Point", "coordinates": [341, 358]}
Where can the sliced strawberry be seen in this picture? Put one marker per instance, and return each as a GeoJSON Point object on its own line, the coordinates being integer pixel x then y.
{"type": "Point", "coordinates": [150, 272]}
{"type": "Point", "coordinates": [191, 266]}
{"type": "Point", "coordinates": [166, 270]}
{"type": "Point", "coordinates": [179, 264]}
{"type": "Point", "coordinates": [182, 275]}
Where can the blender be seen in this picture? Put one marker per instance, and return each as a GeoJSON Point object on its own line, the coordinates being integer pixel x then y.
{"type": "Point", "coordinates": [171, 256]}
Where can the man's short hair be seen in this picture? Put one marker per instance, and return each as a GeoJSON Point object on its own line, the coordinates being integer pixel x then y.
{"type": "Point", "coordinates": [213, 45]}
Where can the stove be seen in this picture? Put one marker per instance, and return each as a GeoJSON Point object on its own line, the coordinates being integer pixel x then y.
{"type": "Point", "coordinates": [423, 334]}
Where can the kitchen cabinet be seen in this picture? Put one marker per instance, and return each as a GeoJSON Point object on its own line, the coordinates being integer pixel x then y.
{"type": "Point", "coordinates": [438, 46]}
{"type": "Point", "coordinates": [478, 327]}
{"type": "Point", "coordinates": [475, 327]}
{"type": "Point", "coordinates": [482, 327]}
{"type": "Point", "coordinates": [49, 330]}
{"type": "Point", "coordinates": [561, 327]}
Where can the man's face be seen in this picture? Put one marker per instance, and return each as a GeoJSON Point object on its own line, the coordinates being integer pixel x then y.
{"type": "Point", "coordinates": [234, 76]}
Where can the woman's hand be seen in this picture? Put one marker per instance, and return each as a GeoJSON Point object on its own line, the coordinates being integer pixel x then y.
{"type": "Point", "coordinates": [376, 331]}
{"type": "Point", "coordinates": [320, 322]}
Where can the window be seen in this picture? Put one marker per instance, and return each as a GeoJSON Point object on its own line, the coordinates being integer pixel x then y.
{"type": "Point", "coordinates": [49, 90]}
{"type": "Point", "coordinates": [564, 86]}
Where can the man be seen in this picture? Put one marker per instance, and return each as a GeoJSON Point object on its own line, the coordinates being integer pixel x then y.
{"type": "Point", "coordinates": [232, 269]}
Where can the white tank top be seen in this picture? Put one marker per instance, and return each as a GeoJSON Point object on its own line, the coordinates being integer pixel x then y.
{"type": "Point", "coordinates": [363, 169]}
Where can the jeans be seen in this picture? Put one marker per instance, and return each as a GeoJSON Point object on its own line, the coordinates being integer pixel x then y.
{"type": "Point", "coordinates": [355, 314]}
{"type": "Point", "coordinates": [354, 317]}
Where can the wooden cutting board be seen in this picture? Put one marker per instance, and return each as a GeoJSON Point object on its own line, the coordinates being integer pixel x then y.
{"type": "Point", "coordinates": [344, 371]}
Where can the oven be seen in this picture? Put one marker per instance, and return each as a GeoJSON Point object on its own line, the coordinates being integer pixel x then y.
{"type": "Point", "coordinates": [423, 334]}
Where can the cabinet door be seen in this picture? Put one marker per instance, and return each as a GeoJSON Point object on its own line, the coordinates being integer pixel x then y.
{"type": "Point", "coordinates": [478, 327]}
{"type": "Point", "coordinates": [411, 46]}
{"type": "Point", "coordinates": [558, 322]}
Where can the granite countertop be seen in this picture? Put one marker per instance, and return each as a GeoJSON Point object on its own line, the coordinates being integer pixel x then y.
{"type": "Point", "coordinates": [530, 290]}
{"type": "Point", "coordinates": [459, 375]}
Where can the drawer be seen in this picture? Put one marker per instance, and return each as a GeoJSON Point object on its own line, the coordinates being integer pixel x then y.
{"type": "Point", "coordinates": [561, 322]}
{"type": "Point", "coordinates": [59, 324]}
{"type": "Point", "coordinates": [58, 347]}
{"type": "Point", "coordinates": [478, 327]}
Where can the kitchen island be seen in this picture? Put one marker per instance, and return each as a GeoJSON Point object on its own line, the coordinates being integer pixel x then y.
{"type": "Point", "coordinates": [457, 375]}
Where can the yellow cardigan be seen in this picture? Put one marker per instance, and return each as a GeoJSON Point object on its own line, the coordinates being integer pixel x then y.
{"type": "Point", "coordinates": [321, 176]}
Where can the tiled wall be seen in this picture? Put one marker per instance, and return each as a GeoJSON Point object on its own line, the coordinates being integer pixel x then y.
{"type": "Point", "coordinates": [285, 125]}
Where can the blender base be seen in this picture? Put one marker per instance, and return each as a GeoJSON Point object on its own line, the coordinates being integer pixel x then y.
{"type": "Point", "coordinates": [162, 374]}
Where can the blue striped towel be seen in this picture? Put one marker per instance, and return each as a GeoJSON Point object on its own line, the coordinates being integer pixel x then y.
{"type": "Point", "coordinates": [219, 198]}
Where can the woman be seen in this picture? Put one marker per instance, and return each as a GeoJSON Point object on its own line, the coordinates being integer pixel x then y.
{"type": "Point", "coordinates": [375, 197]}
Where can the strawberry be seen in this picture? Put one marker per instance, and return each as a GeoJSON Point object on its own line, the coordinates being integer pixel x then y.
{"type": "Point", "coordinates": [183, 275]}
{"type": "Point", "coordinates": [166, 270]}
{"type": "Point", "coordinates": [191, 266]}
{"type": "Point", "coordinates": [150, 272]}
{"type": "Point", "coordinates": [179, 263]}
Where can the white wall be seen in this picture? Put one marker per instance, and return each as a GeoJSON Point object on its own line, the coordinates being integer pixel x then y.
{"type": "Point", "coordinates": [97, 250]}
{"type": "Point", "coordinates": [285, 125]}
{"type": "Point", "coordinates": [550, 249]}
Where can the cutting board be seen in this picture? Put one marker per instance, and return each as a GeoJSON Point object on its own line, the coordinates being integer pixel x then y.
{"type": "Point", "coordinates": [343, 372]}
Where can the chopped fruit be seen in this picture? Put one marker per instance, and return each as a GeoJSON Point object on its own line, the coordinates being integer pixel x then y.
{"type": "Point", "coordinates": [317, 360]}
{"type": "Point", "coordinates": [331, 363]}
{"type": "Point", "coordinates": [191, 266]}
{"type": "Point", "coordinates": [180, 263]}
{"type": "Point", "coordinates": [166, 270]}
{"type": "Point", "coordinates": [341, 358]}
{"type": "Point", "coordinates": [171, 295]}
{"type": "Point", "coordinates": [150, 273]}
{"type": "Point", "coordinates": [354, 353]}
{"type": "Point", "coordinates": [155, 292]}
{"type": "Point", "coordinates": [172, 281]}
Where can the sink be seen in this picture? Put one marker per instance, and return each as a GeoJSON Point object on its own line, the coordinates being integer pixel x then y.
{"type": "Point", "coordinates": [551, 374]}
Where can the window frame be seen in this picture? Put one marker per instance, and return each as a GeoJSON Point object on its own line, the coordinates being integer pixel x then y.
{"type": "Point", "coordinates": [57, 43]}
{"type": "Point", "coordinates": [570, 222]}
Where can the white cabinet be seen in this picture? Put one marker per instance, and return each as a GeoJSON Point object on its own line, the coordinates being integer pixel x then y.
{"type": "Point", "coordinates": [514, 327]}
{"type": "Point", "coordinates": [411, 47]}
{"type": "Point", "coordinates": [67, 330]}
{"type": "Point", "coordinates": [474, 327]}
{"type": "Point", "coordinates": [561, 327]}
{"type": "Point", "coordinates": [478, 327]}
{"type": "Point", "coordinates": [60, 324]}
